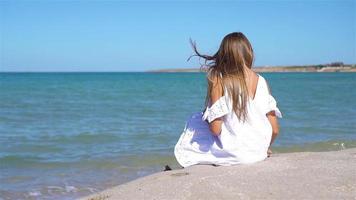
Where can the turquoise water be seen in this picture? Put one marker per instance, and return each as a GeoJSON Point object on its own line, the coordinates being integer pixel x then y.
{"type": "Point", "coordinates": [63, 135]}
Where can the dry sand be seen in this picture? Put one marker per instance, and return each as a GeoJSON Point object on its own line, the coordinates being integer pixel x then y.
{"type": "Point", "coordinates": [306, 175]}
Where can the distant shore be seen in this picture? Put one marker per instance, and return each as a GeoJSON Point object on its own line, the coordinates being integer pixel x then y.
{"type": "Point", "coordinates": [305, 175]}
{"type": "Point", "coordinates": [312, 68]}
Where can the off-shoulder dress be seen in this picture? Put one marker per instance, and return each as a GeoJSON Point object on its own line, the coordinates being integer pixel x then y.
{"type": "Point", "coordinates": [239, 142]}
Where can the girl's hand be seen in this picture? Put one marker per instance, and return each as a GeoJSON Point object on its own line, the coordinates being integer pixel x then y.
{"type": "Point", "coordinates": [269, 152]}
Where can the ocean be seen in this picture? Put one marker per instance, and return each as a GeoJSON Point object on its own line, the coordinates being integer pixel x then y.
{"type": "Point", "coordinates": [65, 135]}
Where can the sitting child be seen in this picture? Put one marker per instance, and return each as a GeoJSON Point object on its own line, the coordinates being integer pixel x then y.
{"type": "Point", "coordinates": [239, 123]}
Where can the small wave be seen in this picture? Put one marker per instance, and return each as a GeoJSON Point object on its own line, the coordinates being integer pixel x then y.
{"type": "Point", "coordinates": [69, 188]}
{"type": "Point", "coordinates": [341, 145]}
{"type": "Point", "coordinates": [82, 138]}
{"type": "Point", "coordinates": [34, 148]}
{"type": "Point", "coordinates": [17, 160]}
{"type": "Point", "coordinates": [54, 192]}
{"type": "Point", "coordinates": [34, 194]}
{"type": "Point", "coordinates": [331, 145]}
{"type": "Point", "coordinates": [26, 162]}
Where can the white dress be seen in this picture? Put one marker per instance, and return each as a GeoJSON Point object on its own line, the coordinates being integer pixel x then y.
{"type": "Point", "coordinates": [239, 142]}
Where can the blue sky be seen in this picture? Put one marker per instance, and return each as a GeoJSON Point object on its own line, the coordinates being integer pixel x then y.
{"type": "Point", "coordinates": [142, 35]}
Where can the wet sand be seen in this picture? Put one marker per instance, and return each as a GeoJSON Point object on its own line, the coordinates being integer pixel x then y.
{"type": "Point", "coordinates": [304, 175]}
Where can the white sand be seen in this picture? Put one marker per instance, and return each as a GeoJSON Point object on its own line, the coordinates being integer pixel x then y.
{"type": "Point", "coordinates": [307, 175]}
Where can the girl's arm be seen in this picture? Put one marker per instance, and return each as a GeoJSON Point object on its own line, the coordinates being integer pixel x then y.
{"type": "Point", "coordinates": [272, 118]}
{"type": "Point", "coordinates": [216, 93]}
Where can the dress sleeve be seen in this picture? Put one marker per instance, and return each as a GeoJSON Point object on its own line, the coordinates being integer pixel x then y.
{"type": "Point", "coordinates": [268, 102]}
{"type": "Point", "coordinates": [272, 106]}
{"type": "Point", "coordinates": [218, 109]}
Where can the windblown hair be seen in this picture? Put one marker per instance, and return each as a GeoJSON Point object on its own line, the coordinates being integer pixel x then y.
{"type": "Point", "coordinates": [227, 68]}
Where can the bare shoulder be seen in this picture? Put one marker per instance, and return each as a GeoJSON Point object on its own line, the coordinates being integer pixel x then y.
{"type": "Point", "coordinates": [255, 73]}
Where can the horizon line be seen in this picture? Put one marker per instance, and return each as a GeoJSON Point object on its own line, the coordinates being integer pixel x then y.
{"type": "Point", "coordinates": [160, 69]}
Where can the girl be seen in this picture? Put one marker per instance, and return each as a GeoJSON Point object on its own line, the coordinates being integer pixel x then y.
{"type": "Point", "coordinates": [239, 123]}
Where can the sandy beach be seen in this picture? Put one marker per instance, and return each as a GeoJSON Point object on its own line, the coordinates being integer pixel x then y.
{"type": "Point", "coordinates": [303, 175]}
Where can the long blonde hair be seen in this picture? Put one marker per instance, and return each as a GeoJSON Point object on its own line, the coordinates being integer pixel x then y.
{"type": "Point", "coordinates": [227, 66]}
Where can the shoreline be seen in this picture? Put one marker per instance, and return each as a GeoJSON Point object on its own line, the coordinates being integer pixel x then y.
{"type": "Point", "coordinates": [345, 68]}
{"type": "Point", "coordinates": [301, 175]}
